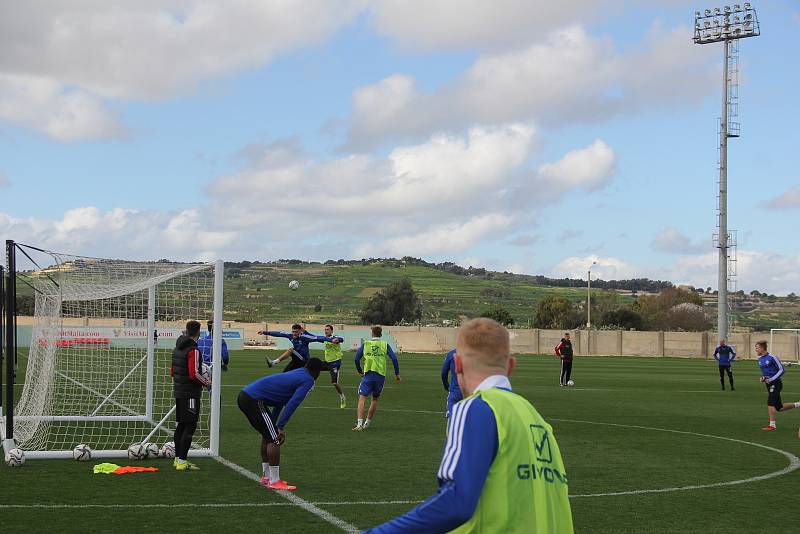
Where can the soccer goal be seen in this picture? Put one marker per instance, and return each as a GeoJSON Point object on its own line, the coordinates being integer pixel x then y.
{"type": "Point", "coordinates": [97, 370]}
{"type": "Point", "coordinates": [785, 342]}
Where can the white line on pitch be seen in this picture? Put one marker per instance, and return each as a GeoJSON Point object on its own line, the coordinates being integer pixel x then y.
{"type": "Point", "coordinates": [293, 499]}
{"type": "Point", "coordinates": [205, 505]}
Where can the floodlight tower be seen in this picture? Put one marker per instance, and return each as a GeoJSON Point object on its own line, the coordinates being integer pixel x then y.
{"type": "Point", "coordinates": [727, 24]}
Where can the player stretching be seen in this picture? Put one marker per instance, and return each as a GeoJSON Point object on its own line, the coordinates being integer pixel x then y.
{"type": "Point", "coordinates": [772, 371]}
{"type": "Point", "coordinates": [374, 353]}
{"type": "Point", "coordinates": [501, 468]}
{"type": "Point", "coordinates": [333, 362]}
{"type": "Point", "coordinates": [450, 381]}
{"type": "Point", "coordinates": [724, 354]}
{"type": "Point", "coordinates": [299, 351]}
{"type": "Point", "coordinates": [564, 351]}
{"type": "Point", "coordinates": [284, 393]}
{"type": "Point", "coordinates": [187, 383]}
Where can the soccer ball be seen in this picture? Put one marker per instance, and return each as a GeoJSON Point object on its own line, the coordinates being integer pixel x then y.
{"type": "Point", "coordinates": [82, 453]}
{"type": "Point", "coordinates": [167, 450]}
{"type": "Point", "coordinates": [137, 452]}
{"type": "Point", "coordinates": [294, 285]}
{"type": "Point", "coordinates": [15, 458]}
{"type": "Point", "coordinates": [570, 383]}
{"type": "Point", "coordinates": [205, 370]}
{"type": "Point", "coordinates": [150, 450]}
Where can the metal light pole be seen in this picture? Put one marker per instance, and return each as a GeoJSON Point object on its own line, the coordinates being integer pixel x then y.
{"type": "Point", "coordinates": [727, 24]}
{"type": "Point", "coordinates": [589, 297]}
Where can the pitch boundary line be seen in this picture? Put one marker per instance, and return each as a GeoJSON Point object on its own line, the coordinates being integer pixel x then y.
{"type": "Point", "coordinates": [794, 461]}
{"type": "Point", "coordinates": [294, 499]}
{"type": "Point", "coordinates": [202, 505]}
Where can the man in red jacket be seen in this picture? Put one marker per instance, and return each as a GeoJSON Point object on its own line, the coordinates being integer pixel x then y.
{"type": "Point", "coordinates": [564, 351]}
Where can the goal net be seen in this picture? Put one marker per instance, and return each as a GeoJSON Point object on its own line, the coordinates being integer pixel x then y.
{"type": "Point", "coordinates": [98, 366]}
{"type": "Point", "coordinates": [785, 343]}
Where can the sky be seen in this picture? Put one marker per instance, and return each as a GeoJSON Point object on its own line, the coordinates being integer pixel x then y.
{"type": "Point", "coordinates": [522, 135]}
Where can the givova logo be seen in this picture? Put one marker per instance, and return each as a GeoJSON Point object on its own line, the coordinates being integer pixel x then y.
{"type": "Point", "coordinates": [544, 453]}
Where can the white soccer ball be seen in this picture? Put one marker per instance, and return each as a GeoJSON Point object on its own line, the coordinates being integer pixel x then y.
{"type": "Point", "coordinates": [82, 453]}
{"type": "Point", "coordinates": [570, 383]}
{"type": "Point", "coordinates": [167, 450]}
{"type": "Point", "coordinates": [150, 450]}
{"type": "Point", "coordinates": [137, 452]}
{"type": "Point", "coordinates": [294, 285]}
{"type": "Point", "coordinates": [15, 457]}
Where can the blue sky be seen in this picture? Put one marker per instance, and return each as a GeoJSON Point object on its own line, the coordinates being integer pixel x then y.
{"type": "Point", "coordinates": [514, 135]}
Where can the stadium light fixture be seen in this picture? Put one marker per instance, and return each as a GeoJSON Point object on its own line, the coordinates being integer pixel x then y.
{"type": "Point", "coordinates": [589, 296]}
{"type": "Point", "coordinates": [726, 25]}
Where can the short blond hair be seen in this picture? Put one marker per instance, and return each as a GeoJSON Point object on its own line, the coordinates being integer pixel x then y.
{"type": "Point", "coordinates": [485, 343]}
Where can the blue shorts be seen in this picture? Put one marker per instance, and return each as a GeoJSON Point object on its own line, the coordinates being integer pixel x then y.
{"type": "Point", "coordinates": [371, 384]}
{"type": "Point", "coordinates": [452, 398]}
{"type": "Point", "coordinates": [333, 368]}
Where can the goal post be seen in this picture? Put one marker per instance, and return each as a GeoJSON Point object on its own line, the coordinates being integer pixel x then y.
{"type": "Point", "coordinates": [100, 352]}
{"type": "Point", "coordinates": [785, 342]}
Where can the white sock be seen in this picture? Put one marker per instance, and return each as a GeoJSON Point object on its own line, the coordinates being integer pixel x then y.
{"type": "Point", "coordinates": [367, 422]}
{"type": "Point", "coordinates": [179, 461]}
{"type": "Point", "coordinates": [265, 466]}
{"type": "Point", "coordinates": [360, 422]}
{"type": "Point", "coordinates": [274, 473]}
{"type": "Point", "coordinates": [772, 423]}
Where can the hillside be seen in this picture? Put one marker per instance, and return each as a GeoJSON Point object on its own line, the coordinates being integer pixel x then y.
{"type": "Point", "coordinates": [333, 292]}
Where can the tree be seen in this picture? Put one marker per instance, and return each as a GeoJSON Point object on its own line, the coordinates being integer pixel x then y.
{"type": "Point", "coordinates": [623, 318]}
{"type": "Point", "coordinates": [555, 312]}
{"type": "Point", "coordinates": [499, 314]}
{"type": "Point", "coordinates": [654, 308]}
{"type": "Point", "coordinates": [687, 317]}
{"type": "Point", "coordinates": [392, 304]}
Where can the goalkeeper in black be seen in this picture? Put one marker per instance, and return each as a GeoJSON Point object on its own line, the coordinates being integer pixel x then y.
{"type": "Point", "coordinates": [188, 381]}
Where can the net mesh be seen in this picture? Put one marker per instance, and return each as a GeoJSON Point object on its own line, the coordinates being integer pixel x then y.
{"type": "Point", "coordinates": [88, 353]}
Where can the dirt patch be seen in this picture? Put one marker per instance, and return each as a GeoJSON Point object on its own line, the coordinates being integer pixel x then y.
{"type": "Point", "coordinates": [367, 292]}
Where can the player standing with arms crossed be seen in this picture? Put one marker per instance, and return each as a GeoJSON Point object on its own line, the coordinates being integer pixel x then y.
{"type": "Point", "coordinates": [564, 351]}
{"type": "Point", "coordinates": [724, 354]}
{"type": "Point", "coordinates": [771, 373]}
{"type": "Point", "coordinates": [375, 351]}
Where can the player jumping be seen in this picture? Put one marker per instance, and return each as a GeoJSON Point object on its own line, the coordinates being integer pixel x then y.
{"type": "Point", "coordinates": [333, 362]}
{"type": "Point", "coordinates": [450, 381]}
{"type": "Point", "coordinates": [283, 393]}
{"type": "Point", "coordinates": [299, 351]}
{"type": "Point", "coordinates": [374, 352]}
{"type": "Point", "coordinates": [771, 373]}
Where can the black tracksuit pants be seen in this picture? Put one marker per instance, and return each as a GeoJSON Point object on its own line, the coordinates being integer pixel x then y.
{"type": "Point", "coordinates": [566, 371]}
{"type": "Point", "coordinates": [722, 370]}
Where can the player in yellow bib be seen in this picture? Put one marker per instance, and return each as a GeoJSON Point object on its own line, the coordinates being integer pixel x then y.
{"type": "Point", "coordinates": [333, 362]}
{"type": "Point", "coordinates": [501, 470]}
{"type": "Point", "coordinates": [374, 352]}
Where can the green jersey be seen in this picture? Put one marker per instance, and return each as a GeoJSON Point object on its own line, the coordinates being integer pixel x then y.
{"type": "Point", "coordinates": [375, 354]}
{"type": "Point", "coordinates": [526, 488]}
{"type": "Point", "coordinates": [333, 351]}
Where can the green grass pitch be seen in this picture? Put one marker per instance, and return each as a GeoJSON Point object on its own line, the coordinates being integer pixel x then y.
{"type": "Point", "coordinates": [607, 427]}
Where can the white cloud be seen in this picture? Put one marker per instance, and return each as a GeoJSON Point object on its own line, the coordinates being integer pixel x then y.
{"type": "Point", "coordinates": [673, 241]}
{"type": "Point", "coordinates": [61, 59]}
{"type": "Point", "coordinates": [437, 198]}
{"type": "Point", "coordinates": [788, 200]}
{"type": "Point", "coordinates": [762, 270]}
{"type": "Point", "coordinates": [478, 24]}
{"type": "Point", "coordinates": [570, 77]}
{"type": "Point", "coordinates": [588, 168]}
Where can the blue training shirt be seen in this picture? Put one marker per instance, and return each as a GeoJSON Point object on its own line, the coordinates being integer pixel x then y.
{"type": "Point", "coordinates": [392, 356]}
{"type": "Point", "coordinates": [771, 367]}
{"type": "Point", "coordinates": [449, 380]}
{"type": "Point", "coordinates": [471, 448]}
{"type": "Point", "coordinates": [300, 343]}
{"type": "Point", "coordinates": [205, 344]}
{"type": "Point", "coordinates": [725, 355]}
{"type": "Point", "coordinates": [284, 391]}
